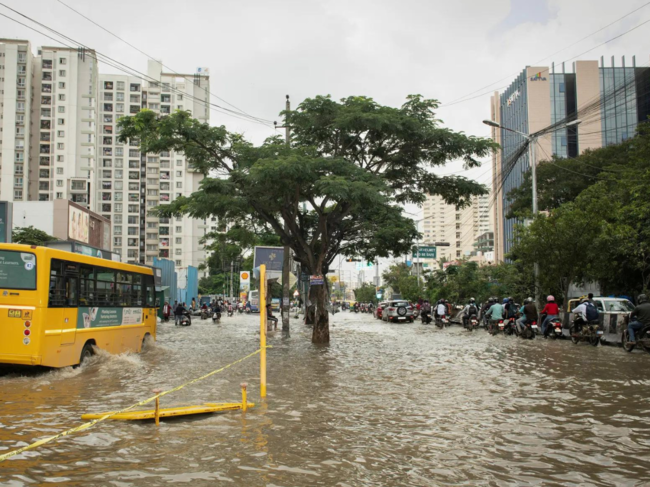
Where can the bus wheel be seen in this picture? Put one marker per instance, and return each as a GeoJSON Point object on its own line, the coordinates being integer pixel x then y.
{"type": "Point", "coordinates": [145, 339]}
{"type": "Point", "coordinates": [86, 352]}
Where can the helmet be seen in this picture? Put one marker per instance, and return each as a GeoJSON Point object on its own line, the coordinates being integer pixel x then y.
{"type": "Point", "coordinates": [550, 298]}
{"type": "Point", "coordinates": [471, 300]}
{"type": "Point", "coordinates": [642, 299]}
{"type": "Point", "coordinates": [530, 300]}
{"type": "Point", "coordinates": [505, 300]}
{"type": "Point", "coordinates": [526, 301]}
{"type": "Point", "coordinates": [491, 300]}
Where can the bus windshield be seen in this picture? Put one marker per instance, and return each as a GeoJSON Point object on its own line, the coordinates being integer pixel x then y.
{"type": "Point", "coordinates": [17, 270]}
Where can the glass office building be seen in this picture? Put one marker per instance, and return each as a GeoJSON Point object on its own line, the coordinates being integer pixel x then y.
{"type": "Point", "coordinates": [609, 100]}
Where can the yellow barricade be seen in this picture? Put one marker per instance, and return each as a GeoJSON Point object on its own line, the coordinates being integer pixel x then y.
{"type": "Point", "coordinates": [92, 423]}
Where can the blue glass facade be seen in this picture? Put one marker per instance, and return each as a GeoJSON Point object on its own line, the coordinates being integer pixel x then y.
{"type": "Point", "coordinates": [625, 99]}
{"type": "Point", "coordinates": [514, 115]}
{"type": "Point", "coordinates": [619, 112]}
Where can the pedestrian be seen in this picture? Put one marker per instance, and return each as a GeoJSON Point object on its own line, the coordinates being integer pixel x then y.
{"type": "Point", "coordinates": [193, 303]}
{"type": "Point", "coordinates": [179, 310]}
{"type": "Point", "coordinates": [270, 317]}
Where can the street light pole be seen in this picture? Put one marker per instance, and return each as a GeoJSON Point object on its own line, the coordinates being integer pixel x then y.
{"type": "Point", "coordinates": [532, 140]}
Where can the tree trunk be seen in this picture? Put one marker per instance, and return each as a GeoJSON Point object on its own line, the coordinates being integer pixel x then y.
{"type": "Point", "coordinates": [310, 314]}
{"type": "Point", "coordinates": [321, 333]}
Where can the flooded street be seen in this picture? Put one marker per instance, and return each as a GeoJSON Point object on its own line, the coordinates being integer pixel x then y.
{"type": "Point", "coordinates": [384, 404]}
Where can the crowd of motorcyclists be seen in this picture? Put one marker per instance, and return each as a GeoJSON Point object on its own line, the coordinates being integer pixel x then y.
{"type": "Point", "coordinates": [183, 314]}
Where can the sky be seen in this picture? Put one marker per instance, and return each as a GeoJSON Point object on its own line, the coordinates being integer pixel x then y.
{"type": "Point", "coordinates": [259, 51]}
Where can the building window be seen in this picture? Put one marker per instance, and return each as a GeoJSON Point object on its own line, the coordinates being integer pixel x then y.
{"type": "Point", "coordinates": [120, 85]}
{"type": "Point", "coordinates": [63, 60]}
{"type": "Point", "coordinates": [60, 133]}
{"type": "Point", "coordinates": [62, 73]}
{"type": "Point", "coordinates": [62, 85]}
{"type": "Point", "coordinates": [60, 121]}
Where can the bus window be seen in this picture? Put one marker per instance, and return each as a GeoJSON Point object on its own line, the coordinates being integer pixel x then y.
{"type": "Point", "coordinates": [124, 284]}
{"type": "Point", "coordinates": [57, 285]}
{"type": "Point", "coordinates": [87, 286]}
{"type": "Point", "coordinates": [106, 295]}
{"type": "Point", "coordinates": [71, 292]}
{"type": "Point", "coordinates": [150, 291]}
{"type": "Point", "coordinates": [137, 290]}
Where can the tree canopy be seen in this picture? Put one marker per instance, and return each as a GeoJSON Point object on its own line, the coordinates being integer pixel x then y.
{"type": "Point", "coordinates": [31, 236]}
{"type": "Point", "coordinates": [336, 189]}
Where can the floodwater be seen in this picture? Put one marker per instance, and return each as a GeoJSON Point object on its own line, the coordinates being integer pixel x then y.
{"type": "Point", "coordinates": [383, 404]}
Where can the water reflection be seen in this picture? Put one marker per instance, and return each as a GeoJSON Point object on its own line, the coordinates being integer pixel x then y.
{"type": "Point", "coordinates": [382, 405]}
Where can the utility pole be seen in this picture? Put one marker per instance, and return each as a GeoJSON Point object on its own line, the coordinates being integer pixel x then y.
{"type": "Point", "coordinates": [286, 260]}
{"type": "Point", "coordinates": [231, 265]}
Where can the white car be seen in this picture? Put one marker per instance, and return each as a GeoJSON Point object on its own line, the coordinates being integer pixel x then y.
{"type": "Point", "coordinates": [398, 310]}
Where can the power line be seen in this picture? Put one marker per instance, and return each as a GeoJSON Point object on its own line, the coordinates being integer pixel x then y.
{"type": "Point", "coordinates": [546, 69]}
{"type": "Point", "coordinates": [123, 67]}
{"type": "Point", "coordinates": [152, 58]}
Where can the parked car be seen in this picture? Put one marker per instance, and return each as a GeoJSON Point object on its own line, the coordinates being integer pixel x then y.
{"type": "Point", "coordinates": [399, 310]}
{"type": "Point", "coordinates": [607, 305]}
{"type": "Point", "coordinates": [379, 310]}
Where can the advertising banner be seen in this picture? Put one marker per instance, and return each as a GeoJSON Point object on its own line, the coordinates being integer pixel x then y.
{"type": "Point", "coordinates": [17, 270]}
{"type": "Point", "coordinates": [78, 224]}
{"type": "Point", "coordinates": [244, 281]}
{"type": "Point", "coordinates": [104, 316]}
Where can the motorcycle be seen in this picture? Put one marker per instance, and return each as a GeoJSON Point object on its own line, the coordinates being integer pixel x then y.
{"type": "Point", "coordinates": [472, 323]}
{"type": "Point", "coordinates": [642, 337]}
{"type": "Point", "coordinates": [240, 310]}
{"type": "Point", "coordinates": [442, 321]}
{"type": "Point", "coordinates": [510, 326]}
{"type": "Point", "coordinates": [204, 315]}
{"type": "Point", "coordinates": [529, 331]}
{"type": "Point", "coordinates": [248, 311]}
{"type": "Point", "coordinates": [216, 316]}
{"type": "Point", "coordinates": [497, 327]}
{"type": "Point", "coordinates": [554, 329]}
{"type": "Point", "coordinates": [186, 320]}
{"type": "Point", "coordinates": [230, 312]}
{"type": "Point", "coordinates": [425, 316]}
{"type": "Point", "coordinates": [585, 332]}
{"type": "Point", "coordinates": [356, 310]}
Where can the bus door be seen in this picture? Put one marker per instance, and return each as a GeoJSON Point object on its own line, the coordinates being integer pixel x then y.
{"type": "Point", "coordinates": [64, 299]}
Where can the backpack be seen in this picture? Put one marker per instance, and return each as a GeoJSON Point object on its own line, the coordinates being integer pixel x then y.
{"type": "Point", "coordinates": [472, 310]}
{"type": "Point", "coordinates": [591, 312]}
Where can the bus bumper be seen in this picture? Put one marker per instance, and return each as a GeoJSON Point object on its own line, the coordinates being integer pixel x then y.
{"type": "Point", "coordinates": [12, 359]}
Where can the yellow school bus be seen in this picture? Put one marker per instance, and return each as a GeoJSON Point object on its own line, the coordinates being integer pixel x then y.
{"type": "Point", "coordinates": [55, 306]}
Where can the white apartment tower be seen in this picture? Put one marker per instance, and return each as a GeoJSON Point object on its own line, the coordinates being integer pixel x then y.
{"type": "Point", "coordinates": [64, 120]}
{"type": "Point", "coordinates": [131, 183]}
{"type": "Point", "coordinates": [457, 226]}
{"type": "Point", "coordinates": [16, 95]}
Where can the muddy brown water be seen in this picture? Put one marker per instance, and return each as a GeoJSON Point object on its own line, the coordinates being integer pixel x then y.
{"type": "Point", "coordinates": [383, 404]}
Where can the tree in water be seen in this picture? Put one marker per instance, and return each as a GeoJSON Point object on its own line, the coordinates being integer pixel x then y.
{"type": "Point", "coordinates": [337, 189]}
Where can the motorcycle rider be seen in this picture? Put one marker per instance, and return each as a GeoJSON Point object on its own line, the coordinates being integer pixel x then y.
{"type": "Point", "coordinates": [441, 309]}
{"type": "Point", "coordinates": [580, 312]}
{"type": "Point", "coordinates": [551, 311]}
{"type": "Point", "coordinates": [495, 313]}
{"type": "Point", "coordinates": [179, 311]}
{"type": "Point", "coordinates": [426, 312]}
{"type": "Point", "coordinates": [639, 317]}
{"type": "Point", "coordinates": [486, 307]}
{"type": "Point", "coordinates": [468, 311]}
{"type": "Point", "coordinates": [528, 314]}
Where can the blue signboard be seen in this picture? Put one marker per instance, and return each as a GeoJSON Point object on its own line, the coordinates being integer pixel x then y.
{"type": "Point", "coordinates": [271, 257]}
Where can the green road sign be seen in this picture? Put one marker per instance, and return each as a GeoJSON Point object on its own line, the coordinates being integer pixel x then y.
{"type": "Point", "coordinates": [424, 252]}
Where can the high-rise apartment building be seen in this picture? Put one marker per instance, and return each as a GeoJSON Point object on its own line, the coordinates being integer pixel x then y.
{"type": "Point", "coordinates": [58, 140]}
{"type": "Point", "coordinates": [130, 183]}
{"type": "Point", "coordinates": [16, 64]}
{"type": "Point", "coordinates": [609, 100]}
{"type": "Point", "coordinates": [64, 119]}
{"type": "Point", "coordinates": [459, 227]}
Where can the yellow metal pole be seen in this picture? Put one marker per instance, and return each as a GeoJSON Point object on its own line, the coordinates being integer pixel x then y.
{"type": "Point", "coordinates": [262, 331]}
{"type": "Point", "coordinates": [244, 400]}
{"type": "Point", "coordinates": [157, 413]}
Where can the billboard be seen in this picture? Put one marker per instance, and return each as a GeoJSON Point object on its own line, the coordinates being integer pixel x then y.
{"type": "Point", "coordinates": [244, 281]}
{"type": "Point", "coordinates": [271, 257]}
{"type": "Point", "coordinates": [78, 224]}
{"type": "Point", "coordinates": [6, 214]}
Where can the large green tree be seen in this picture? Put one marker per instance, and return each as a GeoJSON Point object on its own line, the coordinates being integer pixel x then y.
{"type": "Point", "coordinates": [336, 189]}
{"type": "Point", "coordinates": [31, 236]}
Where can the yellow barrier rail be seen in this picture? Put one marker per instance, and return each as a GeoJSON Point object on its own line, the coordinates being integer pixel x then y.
{"type": "Point", "coordinates": [92, 423]}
